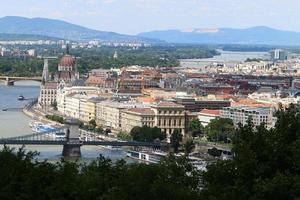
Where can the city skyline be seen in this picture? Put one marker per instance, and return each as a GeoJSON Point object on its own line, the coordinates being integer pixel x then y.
{"type": "Point", "coordinates": [135, 16]}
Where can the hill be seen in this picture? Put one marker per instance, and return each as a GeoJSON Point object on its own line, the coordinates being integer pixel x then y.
{"type": "Point", "coordinates": [255, 35]}
{"type": "Point", "coordinates": [26, 37]}
{"type": "Point", "coordinates": [59, 29]}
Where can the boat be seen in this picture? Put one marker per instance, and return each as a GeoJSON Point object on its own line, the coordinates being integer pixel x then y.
{"type": "Point", "coordinates": [21, 98]}
{"type": "Point", "coordinates": [39, 127]}
{"type": "Point", "coordinates": [146, 156]}
{"type": "Point", "coordinates": [112, 148]}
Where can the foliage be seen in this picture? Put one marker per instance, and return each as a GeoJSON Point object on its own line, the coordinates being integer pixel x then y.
{"type": "Point", "coordinates": [22, 177]}
{"type": "Point", "coordinates": [214, 152]}
{"type": "Point", "coordinates": [124, 136]}
{"type": "Point", "coordinates": [175, 139]}
{"type": "Point", "coordinates": [56, 118]}
{"type": "Point", "coordinates": [54, 105]}
{"type": "Point", "coordinates": [195, 127]}
{"type": "Point", "coordinates": [103, 58]}
{"type": "Point", "coordinates": [220, 129]}
{"type": "Point", "coordinates": [91, 126]}
{"type": "Point", "coordinates": [266, 163]}
{"type": "Point", "coordinates": [147, 134]}
{"type": "Point", "coordinates": [189, 145]}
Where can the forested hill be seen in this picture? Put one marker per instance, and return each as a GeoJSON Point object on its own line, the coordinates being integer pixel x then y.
{"type": "Point", "coordinates": [60, 29]}
{"type": "Point", "coordinates": [253, 35]}
{"type": "Point", "coordinates": [26, 37]}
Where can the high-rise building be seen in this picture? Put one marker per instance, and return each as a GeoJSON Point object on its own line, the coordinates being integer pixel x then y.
{"type": "Point", "coordinates": [279, 54]}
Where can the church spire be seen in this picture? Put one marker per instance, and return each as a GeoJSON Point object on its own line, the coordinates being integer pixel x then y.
{"type": "Point", "coordinates": [45, 76]}
{"type": "Point", "coordinates": [68, 49]}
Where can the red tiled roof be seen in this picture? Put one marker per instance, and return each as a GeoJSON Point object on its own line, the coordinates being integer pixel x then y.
{"type": "Point", "coordinates": [50, 85]}
{"type": "Point", "coordinates": [67, 60]}
{"type": "Point", "coordinates": [210, 112]}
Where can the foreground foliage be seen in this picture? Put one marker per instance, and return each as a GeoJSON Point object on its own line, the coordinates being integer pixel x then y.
{"type": "Point", "coordinates": [23, 178]}
{"type": "Point", "coordinates": [266, 163]}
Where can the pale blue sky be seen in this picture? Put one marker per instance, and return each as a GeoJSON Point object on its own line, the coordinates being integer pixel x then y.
{"type": "Point", "coordinates": [133, 16]}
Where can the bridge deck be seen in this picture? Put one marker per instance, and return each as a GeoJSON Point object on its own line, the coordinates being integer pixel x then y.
{"type": "Point", "coordinates": [89, 143]}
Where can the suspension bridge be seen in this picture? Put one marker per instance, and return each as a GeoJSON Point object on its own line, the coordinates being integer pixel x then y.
{"type": "Point", "coordinates": [70, 140]}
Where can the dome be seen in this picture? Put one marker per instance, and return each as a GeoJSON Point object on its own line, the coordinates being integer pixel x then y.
{"type": "Point", "coordinates": [68, 61]}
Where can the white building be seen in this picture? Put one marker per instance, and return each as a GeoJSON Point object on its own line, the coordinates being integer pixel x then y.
{"type": "Point", "coordinates": [241, 115]}
{"type": "Point", "coordinates": [205, 116]}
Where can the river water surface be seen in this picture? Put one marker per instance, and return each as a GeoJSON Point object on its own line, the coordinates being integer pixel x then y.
{"type": "Point", "coordinates": [15, 123]}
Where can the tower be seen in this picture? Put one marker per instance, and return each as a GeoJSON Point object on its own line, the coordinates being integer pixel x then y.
{"type": "Point", "coordinates": [115, 55]}
{"type": "Point", "coordinates": [45, 76]}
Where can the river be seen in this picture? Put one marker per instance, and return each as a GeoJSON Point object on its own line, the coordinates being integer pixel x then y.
{"type": "Point", "coordinates": [228, 57]}
{"type": "Point", "coordinates": [15, 123]}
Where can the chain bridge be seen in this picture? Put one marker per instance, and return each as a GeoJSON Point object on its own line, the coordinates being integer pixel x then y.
{"type": "Point", "coordinates": [70, 141]}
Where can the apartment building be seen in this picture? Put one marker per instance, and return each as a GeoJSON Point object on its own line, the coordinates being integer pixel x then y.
{"type": "Point", "coordinates": [241, 114]}
{"type": "Point", "coordinates": [108, 113]}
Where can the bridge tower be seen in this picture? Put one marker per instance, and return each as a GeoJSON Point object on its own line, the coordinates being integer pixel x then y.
{"type": "Point", "coordinates": [72, 146]}
{"type": "Point", "coordinates": [9, 82]}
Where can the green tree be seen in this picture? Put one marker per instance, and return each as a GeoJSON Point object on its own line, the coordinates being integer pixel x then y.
{"type": "Point", "coordinates": [266, 162]}
{"type": "Point", "coordinates": [147, 134]}
{"type": "Point", "coordinates": [124, 136]}
{"type": "Point", "coordinates": [189, 145]}
{"type": "Point", "coordinates": [195, 128]}
{"type": "Point", "coordinates": [54, 105]}
{"type": "Point", "coordinates": [93, 122]}
{"type": "Point", "coordinates": [220, 129]}
{"type": "Point", "coordinates": [176, 139]}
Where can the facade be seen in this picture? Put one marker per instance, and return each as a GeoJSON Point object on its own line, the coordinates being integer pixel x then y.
{"type": "Point", "coordinates": [66, 74]}
{"type": "Point", "coordinates": [193, 105]}
{"type": "Point", "coordinates": [87, 110]}
{"type": "Point", "coordinates": [241, 114]}
{"type": "Point", "coordinates": [48, 93]}
{"type": "Point", "coordinates": [72, 106]}
{"type": "Point", "coordinates": [108, 113]}
{"type": "Point", "coordinates": [167, 116]}
{"type": "Point", "coordinates": [136, 117]}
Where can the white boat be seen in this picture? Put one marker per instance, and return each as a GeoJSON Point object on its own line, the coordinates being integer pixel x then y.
{"type": "Point", "coordinates": [113, 148]}
{"type": "Point", "coordinates": [39, 127]}
{"type": "Point", "coordinates": [146, 156]}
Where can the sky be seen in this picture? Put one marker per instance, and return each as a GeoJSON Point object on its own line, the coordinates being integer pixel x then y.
{"type": "Point", "coordinates": [135, 16]}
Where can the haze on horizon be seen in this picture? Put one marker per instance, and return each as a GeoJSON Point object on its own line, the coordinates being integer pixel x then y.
{"type": "Point", "coordinates": [135, 16]}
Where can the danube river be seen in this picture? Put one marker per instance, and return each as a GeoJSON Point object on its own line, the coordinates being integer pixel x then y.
{"type": "Point", "coordinates": [14, 123]}
{"type": "Point", "coordinates": [228, 57]}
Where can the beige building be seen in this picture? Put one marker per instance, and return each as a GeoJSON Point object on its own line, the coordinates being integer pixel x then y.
{"type": "Point", "coordinates": [87, 109]}
{"type": "Point", "coordinates": [167, 116]}
{"type": "Point", "coordinates": [136, 117]}
{"type": "Point", "coordinates": [47, 94]}
{"type": "Point", "coordinates": [108, 113]}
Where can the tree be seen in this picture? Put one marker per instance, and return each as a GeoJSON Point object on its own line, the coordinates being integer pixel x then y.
{"type": "Point", "coordinates": [124, 136]}
{"type": "Point", "coordinates": [135, 133]}
{"type": "Point", "coordinates": [147, 134]}
{"type": "Point", "coordinates": [195, 127]}
{"type": "Point", "coordinates": [176, 138]}
{"type": "Point", "coordinates": [189, 145]}
{"type": "Point", "coordinates": [220, 129]}
{"type": "Point", "coordinates": [266, 162]}
{"type": "Point", "coordinates": [54, 105]}
{"type": "Point", "coordinates": [93, 122]}
{"type": "Point", "coordinates": [98, 130]}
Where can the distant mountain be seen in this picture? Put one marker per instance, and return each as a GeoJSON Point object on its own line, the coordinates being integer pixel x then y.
{"type": "Point", "coordinates": [59, 29]}
{"type": "Point", "coordinates": [254, 35]}
{"type": "Point", "coordinates": [12, 36]}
